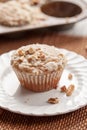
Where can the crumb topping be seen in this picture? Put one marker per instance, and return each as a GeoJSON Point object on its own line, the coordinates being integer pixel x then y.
{"type": "Point", "coordinates": [37, 58]}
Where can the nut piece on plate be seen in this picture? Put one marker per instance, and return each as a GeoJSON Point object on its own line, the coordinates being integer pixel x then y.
{"type": "Point", "coordinates": [70, 76]}
{"type": "Point", "coordinates": [70, 90]}
{"type": "Point", "coordinates": [53, 100]}
{"type": "Point", "coordinates": [63, 89]}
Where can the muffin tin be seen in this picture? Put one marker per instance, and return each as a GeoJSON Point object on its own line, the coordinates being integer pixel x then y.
{"type": "Point", "coordinates": [60, 13]}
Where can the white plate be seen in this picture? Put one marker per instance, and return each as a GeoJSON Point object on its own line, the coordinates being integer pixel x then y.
{"type": "Point", "coordinates": [17, 99]}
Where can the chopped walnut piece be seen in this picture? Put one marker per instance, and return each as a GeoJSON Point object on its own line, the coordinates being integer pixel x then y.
{"type": "Point", "coordinates": [20, 53]}
{"type": "Point", "coordinates": [70, 76]}
{"type": "Point", "coordinates": [53, 100]}
{"type": "Point", "coordinates": [29, 59]}
{"type": "Point", "coordinates": [63, 89]}
{"type": "Point", "coordinates": [20, 60]}
{"type": "Point", "coordinates": [61, 55]}
{"type": "Point", "coordinates": [34, 2]}
{"type": "Point", "coordinates": [70, 90]}
{"type": "Point", "coordinates": [31, 51]}
{"type": "Point", "coordinates": [42, 56]}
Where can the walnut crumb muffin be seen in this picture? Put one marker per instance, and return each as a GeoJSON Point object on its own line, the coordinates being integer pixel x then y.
{"type": "Point", "coordinates": [38, 67]}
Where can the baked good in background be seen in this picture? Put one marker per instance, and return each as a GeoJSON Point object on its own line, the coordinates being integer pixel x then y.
{"type": "Point", "coordinates": [13, 13]}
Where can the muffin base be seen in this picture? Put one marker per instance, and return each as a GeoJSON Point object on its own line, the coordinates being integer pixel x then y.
{"type": "Point", "coordinates": [39, 83]}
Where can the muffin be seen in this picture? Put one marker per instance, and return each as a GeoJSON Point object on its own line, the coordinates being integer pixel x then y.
{"type": "Point", "coordinates": [13, 13]}
{"type": "Point", "coordinates": [38, 66]}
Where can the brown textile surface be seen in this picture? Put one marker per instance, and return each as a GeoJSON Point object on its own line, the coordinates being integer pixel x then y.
{"type": "Point", "coordinates": [72, 121]}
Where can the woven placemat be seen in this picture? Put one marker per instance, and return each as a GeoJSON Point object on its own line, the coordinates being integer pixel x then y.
{"type": "Point", "coordinates": [72, 121]}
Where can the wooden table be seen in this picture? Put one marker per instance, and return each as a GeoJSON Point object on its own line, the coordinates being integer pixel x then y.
{"type": "Point", "coordinates": [46, 36]}
{"type": "Point", "coordinates": [73, 121]}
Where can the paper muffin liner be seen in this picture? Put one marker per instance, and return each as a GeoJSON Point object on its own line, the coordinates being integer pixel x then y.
{"type": "Point", "coordinates": [39, 83]}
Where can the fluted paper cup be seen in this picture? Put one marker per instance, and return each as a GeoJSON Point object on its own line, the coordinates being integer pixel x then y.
{"type": "Point", "coordinates": [39, 83]}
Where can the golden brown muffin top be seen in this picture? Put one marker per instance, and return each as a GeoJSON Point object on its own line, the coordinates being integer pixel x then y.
{"type": "Point", "coordinates": [38, 59]}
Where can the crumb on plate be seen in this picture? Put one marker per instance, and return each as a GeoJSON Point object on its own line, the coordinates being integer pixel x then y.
{"type": "Point", "coordinates": [70, 76]}
{"type": "Point", "coordinates": [53, 100]}
{"type": "Point", "coordinates": [63, 88]}
{"type": "Point", "coordinates": [70, 90]}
